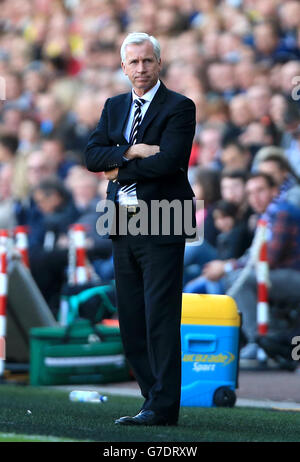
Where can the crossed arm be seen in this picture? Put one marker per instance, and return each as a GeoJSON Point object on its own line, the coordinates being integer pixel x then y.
{"type": "Point", "coordinates": [145, 161]}
{"type": "Point", "coordinates": [136, 151]}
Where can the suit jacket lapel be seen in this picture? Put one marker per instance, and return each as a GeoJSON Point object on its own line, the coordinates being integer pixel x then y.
{"type": "Point", "coordinates": [153, 109]}
{"type": "Point", "coordinates": [123, 113]}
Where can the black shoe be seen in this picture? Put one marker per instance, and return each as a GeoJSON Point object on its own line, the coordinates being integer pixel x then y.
{"type": "Point", "coordinates": [145, 417]}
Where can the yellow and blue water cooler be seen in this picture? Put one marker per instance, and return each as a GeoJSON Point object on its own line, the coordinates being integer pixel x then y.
{"type": "Point", "coordinates": [210, 332]}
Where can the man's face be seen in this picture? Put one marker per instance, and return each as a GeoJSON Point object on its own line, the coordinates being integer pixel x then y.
{"type": "Point", "coordinates": [259, 194]}
{"type": "Point", "coordinates": [233, 190]}
{"type": "Point", "coordinates": [222, 222]}
{"type": "Point", "coordinates": [265, 39]}
{"type": "Point", "coordinates": [141, 66]}
{"type": "Point", "coordinates": [47, 203]}
{"type": "Point", "coordinates": [233, 158]}
{"type": "Point", "coordinates": [273, 169]}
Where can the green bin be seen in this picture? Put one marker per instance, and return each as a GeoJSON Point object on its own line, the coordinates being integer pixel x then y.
{"type": "Point", "coordinates": [76, 355]}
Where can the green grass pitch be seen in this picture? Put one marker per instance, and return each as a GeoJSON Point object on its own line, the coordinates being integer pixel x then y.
{"type": "Point", "coordinates": [54, 418]}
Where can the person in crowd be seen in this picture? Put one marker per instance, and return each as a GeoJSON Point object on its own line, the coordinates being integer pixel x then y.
{"type": "Point", "coordinates": [270, 49]}
{"type": "Point", "coordinates": [259, 97]}
{"type": "Point", "coordinates": [233, 239]}
{"type": "Point", "coordinates": [233, 189]}
{"type": "Point", "coordinates": [85, 111]}
{"type": "Point", "coordinates": [292, 127]}
{"type": "Point", "coordinates": [28, 135]}
{"type": "Point", "coordinates": [278, 106]}
{"type": "Point", "coordinates": [232, 242]}
{"type": "Point", "coordinates": [283, 250]}
{"type": "Point", "coordinates": [57, 207]}
{"type": "Point", "coordinates": [210, 188]}
{"type": "Point", "coordinates": [47, 261]}
{"type": "Point", "coordinates": [210, 145]}
{"type": "Point", "coordinates": [271, 160]}
{"type": "Point", "coordinates": [206, 186]}
{"type": "Point", "coordinates": [234, 156]}
{"type": "Point", "coordinates": [8, 148]}
{"type": "Point", "coordinates": [255, 136]}
{"type": "Point", "coordinates": [37, 169]}
{"type": "Point", "coordinates": [226, 86]}
{"type": "Point", "coordinates": [55, 152]}
{"type": "Point", "coordinates": [288, 14]}
{"type": "Point", "coordinates": [15, 99]}
{"type": "Point", "coordinates": [240, 116]}
{"type": "Point", "coordinates": [289, 78]}
{"type": "Point", "coordinates": [85, 189]}
{"type": "Point", "coordinates": [51, 116]}
{"type": "Point", "coordinates": [11, 120]}
{"type": "Point", "coordinates": [7, 200]}
{"type": "Point", "coordinates": [245, 73]}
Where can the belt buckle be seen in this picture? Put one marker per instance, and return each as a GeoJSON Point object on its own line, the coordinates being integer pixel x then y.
{"type": "Point", "coordinates": [132, 209]}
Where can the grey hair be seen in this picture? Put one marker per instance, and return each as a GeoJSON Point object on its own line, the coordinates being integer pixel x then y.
{"type": "Point", "coordinates": [137, 38]}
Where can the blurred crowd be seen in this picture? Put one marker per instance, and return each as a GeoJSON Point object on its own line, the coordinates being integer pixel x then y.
{"type": "Point", "coordinates": [239, 61]}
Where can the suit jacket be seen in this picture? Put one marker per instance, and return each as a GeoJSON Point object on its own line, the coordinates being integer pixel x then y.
{"type": "Point", "coordinates": [170, 123]}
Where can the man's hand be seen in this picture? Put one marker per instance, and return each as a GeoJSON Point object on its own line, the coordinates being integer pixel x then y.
{"type": "Point", "coordinates": [214, 270]}
{"type": "Point", "coordinates": [111, 174]}
{"type": "Point", "coordinates": [136, 151]}
{"type": "Point", "coordinates": [141, 150]}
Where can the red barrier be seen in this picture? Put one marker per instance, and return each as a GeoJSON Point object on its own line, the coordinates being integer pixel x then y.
{"type": "Point", "coordinates": [3, 296]}
{"type": "Point", "coordinates": [21, 236]}
{"type": "Point", "coordinates": [262, 276]}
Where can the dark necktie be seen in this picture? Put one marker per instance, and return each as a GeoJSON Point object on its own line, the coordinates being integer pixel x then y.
{"type": "Point", "coordinates": [136, 120]}
{"type": "Point", "coordinates": [130, 190]}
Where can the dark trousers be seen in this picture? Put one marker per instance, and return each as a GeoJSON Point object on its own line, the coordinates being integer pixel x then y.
{"type": "Point", "coordinates": [149, 292]}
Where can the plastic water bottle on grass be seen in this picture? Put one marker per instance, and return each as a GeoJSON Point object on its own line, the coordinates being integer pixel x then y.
{"type": "Point", "coordinates": [87, 396]}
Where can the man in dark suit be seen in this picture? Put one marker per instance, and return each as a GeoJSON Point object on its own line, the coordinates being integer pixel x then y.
{"type": "Point", "coordinates": [142, 143]}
